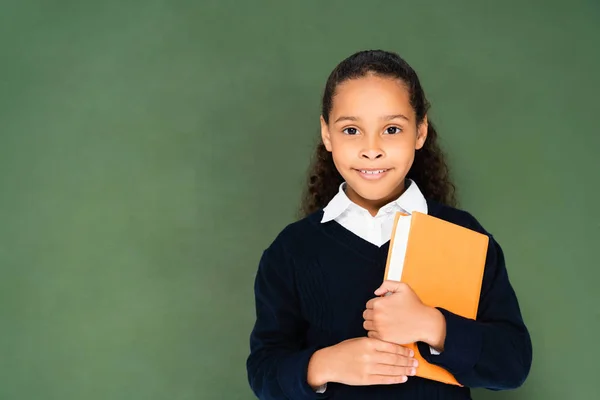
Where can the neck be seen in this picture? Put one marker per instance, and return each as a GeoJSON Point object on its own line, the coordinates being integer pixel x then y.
{"type": "Point", "coordinates": [373, 206]}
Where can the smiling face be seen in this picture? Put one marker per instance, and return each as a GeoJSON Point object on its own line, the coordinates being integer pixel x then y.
{"type": "Point", "coordinates": [372, 134]}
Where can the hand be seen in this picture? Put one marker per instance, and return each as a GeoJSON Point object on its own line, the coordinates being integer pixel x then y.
{"type": "Point", "coordinates": [400, 317]}
{"type": "Point", "coordinates": [362, 361]}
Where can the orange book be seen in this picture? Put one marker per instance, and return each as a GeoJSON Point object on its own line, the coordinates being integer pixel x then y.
{"type": "Point", "coordinates": [443, 263]}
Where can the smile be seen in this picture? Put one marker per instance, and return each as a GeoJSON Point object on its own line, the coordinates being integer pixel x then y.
{"type": "Point", "coordinates": [372, 174]}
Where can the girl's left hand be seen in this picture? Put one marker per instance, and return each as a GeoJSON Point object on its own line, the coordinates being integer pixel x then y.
{"type": "Point", "coordinates": [400, 317]}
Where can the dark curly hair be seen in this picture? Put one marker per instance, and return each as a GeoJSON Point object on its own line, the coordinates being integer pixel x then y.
{"type": "Point", "coordinates": [429, 169]}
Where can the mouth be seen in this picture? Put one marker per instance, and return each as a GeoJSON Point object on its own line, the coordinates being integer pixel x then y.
{"type": "Point", "coordinates": [371, 173]}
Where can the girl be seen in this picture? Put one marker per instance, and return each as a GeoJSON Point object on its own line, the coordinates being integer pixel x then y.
{"type": "Point", "coordinates": [323, 329]}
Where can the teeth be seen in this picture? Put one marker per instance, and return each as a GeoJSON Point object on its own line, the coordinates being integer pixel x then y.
{"type": "Point", "coordinates": [372, 172]}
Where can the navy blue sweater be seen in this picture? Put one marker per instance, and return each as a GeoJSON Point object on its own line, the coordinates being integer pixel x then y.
{"type": "Point", "coordinates": [311, 288]}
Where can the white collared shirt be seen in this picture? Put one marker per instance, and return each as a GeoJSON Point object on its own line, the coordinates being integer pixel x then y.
{"type": "Point", "coordinates": [374, 229]}
{"type": "Point", "coordinates": [377, 229]}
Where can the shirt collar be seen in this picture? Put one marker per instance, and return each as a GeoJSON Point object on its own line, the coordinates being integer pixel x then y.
{"type": "Point", "coordinates": [410, 201]}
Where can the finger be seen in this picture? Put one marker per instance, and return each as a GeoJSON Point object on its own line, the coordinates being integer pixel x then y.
{"type": "Point", "coordinates": [369, 325]}
{"type": "Point", "coordinates": [389, 286]}
{"type": "Point", "coordinates": [392, 348]}
{"type": "Point", "coordinates": [393, 370]}
{"type": "Point", "coordinates": [368, 315]}
{"type": "Point", "coordinates": [396, 359]}
{"type": "Point", "coordinates": [386, 379]}
{"type": "Point", "coordinates": [370, 304]}
{"type": "Point", "coordinates": [374, 335]}
{"type": "Point", "coordinates": [373, 303]}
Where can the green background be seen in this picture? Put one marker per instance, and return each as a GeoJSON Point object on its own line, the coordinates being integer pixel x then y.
{"type": "Point", "coordinates": [149, 151]}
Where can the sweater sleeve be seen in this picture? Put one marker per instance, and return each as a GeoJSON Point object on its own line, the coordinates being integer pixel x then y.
{"type": "Point", "coordinates": [278, 362]}
{"type": "Point", "coordinates": [494, 351]}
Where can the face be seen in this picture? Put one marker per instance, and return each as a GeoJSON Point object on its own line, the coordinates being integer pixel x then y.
{"type": "Point", "coordinates": [373, 134]}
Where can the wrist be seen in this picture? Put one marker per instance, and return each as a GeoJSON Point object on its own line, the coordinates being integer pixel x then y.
{"type": "Point", "coordinates": [319, 372]}
{"type": "Point", "coordinates": [434, 329]}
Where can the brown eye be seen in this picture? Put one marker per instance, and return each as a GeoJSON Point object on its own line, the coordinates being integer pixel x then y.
{"type": "Point", "coordinates": [350, 131]}
{"type": "Point", "coordinates": [392, 130]}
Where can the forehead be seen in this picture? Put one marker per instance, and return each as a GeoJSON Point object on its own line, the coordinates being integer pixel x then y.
{"type": "Point", "coordinates": [372, 95]}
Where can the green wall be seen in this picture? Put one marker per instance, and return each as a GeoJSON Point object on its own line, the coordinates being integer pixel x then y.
{"type": "Point", "coordinates": [149, 151]}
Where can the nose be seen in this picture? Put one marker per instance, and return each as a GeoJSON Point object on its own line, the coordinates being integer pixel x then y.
{"type": "Point", "coordinates": [372, 150]}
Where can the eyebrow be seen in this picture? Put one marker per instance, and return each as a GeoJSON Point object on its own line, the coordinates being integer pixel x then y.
{"type": "Point", "coordinates": [385, 118]}
{"type": "Point", "coordinates": [396, 116]}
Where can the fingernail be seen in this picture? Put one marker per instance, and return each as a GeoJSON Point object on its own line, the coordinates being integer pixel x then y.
{"type": "Point", "coordinates": [412, 371]}
{"type": "Point", "coordinates": [412, 353]}
{"type": "Point", "coordinates": [416, 363]}
{"type": "Point", "coordinates": [404, 379]}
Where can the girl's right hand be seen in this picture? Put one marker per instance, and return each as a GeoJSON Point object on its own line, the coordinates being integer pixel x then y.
{"type": "Point", "coordinates": [363, 361]}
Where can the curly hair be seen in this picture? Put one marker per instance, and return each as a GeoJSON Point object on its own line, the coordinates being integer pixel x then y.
{"type": "Point", "coordinates": [429, 169]}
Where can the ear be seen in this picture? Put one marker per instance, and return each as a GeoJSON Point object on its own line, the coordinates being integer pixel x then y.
{"type": "Point", "coordinates": [325, 135]}
{"type": "Point", "coordinates": [422, 133]}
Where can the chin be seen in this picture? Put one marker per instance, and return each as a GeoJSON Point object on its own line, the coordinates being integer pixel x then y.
{"type": "Point", "coordinates": [374, 192]}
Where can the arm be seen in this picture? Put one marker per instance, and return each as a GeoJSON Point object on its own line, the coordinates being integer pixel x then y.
{"type": "Point", "coordinates": [277, 366]}
{"type": "Point", "coordinates": [494, 351]}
